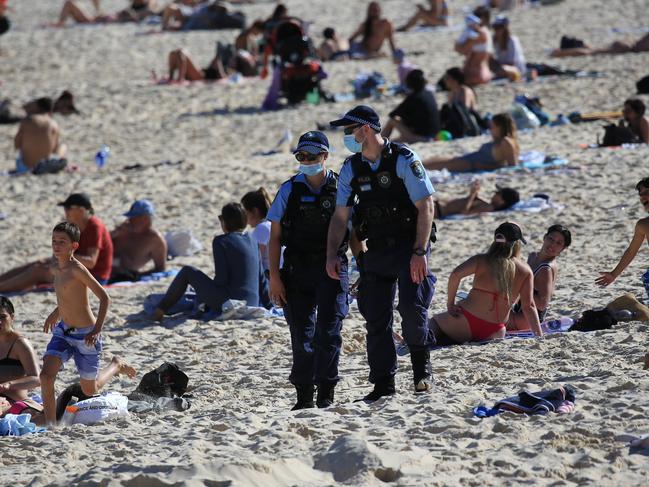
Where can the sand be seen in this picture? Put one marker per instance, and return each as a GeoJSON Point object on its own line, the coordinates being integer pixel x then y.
{"type": "Point", "coordinates": [239, 430]}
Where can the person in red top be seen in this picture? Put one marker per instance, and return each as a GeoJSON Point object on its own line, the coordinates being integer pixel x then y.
{"type": "Point", "coordinates": [95, 249]}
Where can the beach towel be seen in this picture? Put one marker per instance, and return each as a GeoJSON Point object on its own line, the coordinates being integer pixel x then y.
{"type": "Point", "coordinates": [535, 204]}
{"type": "Point", "coordinates": [18, 425]}
{"type": "Point", "coordinates": [529, 160]}
{"type": "Point", "coordinates": [561, 401]}
{"type": "Point", "coordinates": [145, 279]}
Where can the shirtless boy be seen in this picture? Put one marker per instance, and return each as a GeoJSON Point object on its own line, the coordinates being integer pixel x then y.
{"type": "Point", "coordinates": [76, 332]}
{"type": "Point", "coordinates": [375, 30]}
{"type": "Point", "coordinates": [640, 235]}
{"type": "Point", "coordinates": [136, 242]}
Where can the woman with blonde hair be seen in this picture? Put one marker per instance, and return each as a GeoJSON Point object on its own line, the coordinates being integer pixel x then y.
{"type": "Point", "coordinates": [502, 151]}
{"type": "Point", "coordinates": [500, 279]}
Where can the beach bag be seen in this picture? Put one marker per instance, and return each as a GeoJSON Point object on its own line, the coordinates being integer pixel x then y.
{"type": "Point", "coordinates": [96, 409]}
{"type": "Point", "coordinates": [165, 381]}
{"type": "Point", "coordinates": [593, 320]}
{"type": "Point", "coordinates": [181, 243]}
{"type": "Point", "coordinates": [523, 117]}
{"type": "Point", "coordinates": [643, 86]}
{"type": "Point", "coordinates": [459, 121]}
{"type": "Point", "coordinates": [366, 84]}
{"type": "Point", "coordinates": [616, 135]}
{"type": "Point", "coordinates": [534, 105]}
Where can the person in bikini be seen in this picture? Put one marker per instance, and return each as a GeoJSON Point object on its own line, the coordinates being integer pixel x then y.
{"type": "Point", "coordinates": [374, 31]}
{"type": "Point", "coordinates": [476, 45]}
{"type": "Point", "coordinates": [472, 204]}
{"type": "Point", "coordinates": [437, 14]}
{"type": "Point", "coordinates": [544, 267]}
{"type": "Point", "coordinates": [136, 243]}
{"type": "Point", "coordinates": [76, 331]}
{"type": "Point", "coordinates": [618, 47]}
{"type": "Point", "coordinates": [500, 279]}
{"type": "Point", "coordinates": [502, 151]}
{"type": "Point", "coordinates": [458, 91]}
{"type": "Point", "coordinates": [135, 12]}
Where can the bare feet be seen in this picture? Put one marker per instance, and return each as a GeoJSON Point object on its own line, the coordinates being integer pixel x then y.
{"type": "Point", "coordinates": [158, 314]}
{"type": "Point", "coordinates": [124, 368]}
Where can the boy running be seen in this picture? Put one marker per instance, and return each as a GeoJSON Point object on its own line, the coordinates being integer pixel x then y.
{"type": "Point", "coordinates": [76, 332]}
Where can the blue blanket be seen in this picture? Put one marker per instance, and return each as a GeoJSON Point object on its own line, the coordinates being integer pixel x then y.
{"type": "Point", "coordinates": [18, 425]}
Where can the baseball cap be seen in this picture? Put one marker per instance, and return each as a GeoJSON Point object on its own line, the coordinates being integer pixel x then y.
{"type": "Point", "coordinates": [509, 232]}
{"type": "Point", "coordinates": [313, 142]}
{"type": "Point", "coordinates": [361, 114]}
{"type": "Point", "coordinates": [139, 208]}
{"type": "Point", "coordinates": [77, 199]}
{"type": "Point", "coordinates": [501, 20]}
{"type": "Point", "coordinates": [509, 195]}
{"type": "Point", "coordinates": [472, 19]}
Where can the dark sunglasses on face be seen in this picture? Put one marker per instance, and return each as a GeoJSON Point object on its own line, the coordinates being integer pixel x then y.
{"type": "Point", "coordinates": [350, 130]}
{"type": "Point", "coordinates": [306, 157]}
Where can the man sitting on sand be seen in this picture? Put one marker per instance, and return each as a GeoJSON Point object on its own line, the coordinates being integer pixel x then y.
{"type": "Point", "coordinates": [374, 31]}
{"type": "Point", "coordinates": [95, 250]}
{"type": "Point", "coordinates": [634, 116]}
{"type": "Point", "coordinates": [136, 243]}
{"type": "Point", "coordinates": [502, 199]}
{"type": "Point", "coordinates": [135, 12]}
{"type": "Point", "coordinates": [38, 145]}
{"type": "Point", "coordinates": [618, 47]}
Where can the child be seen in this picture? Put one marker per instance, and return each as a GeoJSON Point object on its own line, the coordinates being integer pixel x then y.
{"type": "Point", "coordinates": [640, 234]}
{"type": "Point", "coordinates": [77, 333]}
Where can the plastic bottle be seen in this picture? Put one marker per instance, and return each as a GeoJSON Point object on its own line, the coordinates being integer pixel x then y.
{"type": "Point", "coordinates": [101, 157]}
{"type": "Point", "coordinates": [624, 315]}
{"type": "Point", "coordinates": [554, 325]}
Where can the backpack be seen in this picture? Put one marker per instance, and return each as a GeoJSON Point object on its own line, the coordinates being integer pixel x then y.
{"type": "Point", "coordinates": [616, 135]}
{"type": "Point", "coordinates": [594, 319]}
{"type": "Point", "coordinates": [643, 86]}
{"type": "Point", "coordinates": [165, 381]}
{"type": "Point", "coordinates": [459, 121]}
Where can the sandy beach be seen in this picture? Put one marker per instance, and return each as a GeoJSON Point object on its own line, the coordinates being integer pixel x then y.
{"type": "Point", "coordinates": [239, 430]}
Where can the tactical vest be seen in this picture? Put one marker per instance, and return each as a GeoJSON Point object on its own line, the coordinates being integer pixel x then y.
{"type": "Point", "coordinates": [305, 224]}
{"type": "Point", "coordinates": [383, 211]}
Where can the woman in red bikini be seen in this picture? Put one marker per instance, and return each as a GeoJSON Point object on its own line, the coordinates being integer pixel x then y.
{"type": "Point", "coordinates": [500, 279]}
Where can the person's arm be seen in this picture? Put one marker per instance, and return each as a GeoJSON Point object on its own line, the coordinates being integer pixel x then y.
{"type": "Point", "coordinates": [527, 303]}
{"type": "Point", "coordinates": [644, 130]}
{"type": "Point", "coordinates": [159, 254]}
{"type": "Point", "coordinates": [508, 153]}
{"type": "Point", "coordinates": [357, 33]}
{"type": "Point", "coordinates": [639, 236]}
{"type": "Point", "coordinates": [221, 274]}
{"type": "Point", "coordinates": [51, 320]}
{"type": "Point", "coordinates": [543, 288]}
{"type": "Point", "coordinates": [337, 230]}
{"type": "Point", "coordinates": [18, 139]}
{"type": "Point", "coordinates": [97, 289]}
{"type": "Point", "coordinates": [276, 289]}
{"type": "Point", "coordinates": [425, 215]}
{"type": "Point", "coordinates": [393, 46]}
{"type": "Point", "coordinates": [466, 268]}
{"type": "Point", "coordinates": [29, 363]}
{"type": "Point", "coordinates": [89, 260]}
{"type": "Point", "coordinates": [473, 194]}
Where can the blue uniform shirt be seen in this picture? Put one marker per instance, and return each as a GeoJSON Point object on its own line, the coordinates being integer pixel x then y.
{"type": "Point", "coordinates": [278, 208]}
{"type": "Point", "coordinates": [409, 168]}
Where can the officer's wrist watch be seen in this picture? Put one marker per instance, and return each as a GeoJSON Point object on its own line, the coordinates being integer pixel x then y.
{"type": "Point", "coordinates": [420, 251]}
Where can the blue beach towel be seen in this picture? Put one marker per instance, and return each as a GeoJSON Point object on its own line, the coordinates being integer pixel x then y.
{"type": "Point", "coordinates": [18, 425]}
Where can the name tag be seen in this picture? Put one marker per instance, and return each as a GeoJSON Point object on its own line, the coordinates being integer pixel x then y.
{"type": "Point", "coordinates": [366, 187]}
{"type": "Point", "coordinates": [307, 199]}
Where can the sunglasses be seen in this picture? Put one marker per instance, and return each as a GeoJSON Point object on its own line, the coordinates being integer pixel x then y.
{"type": "Point", "coordinates": [351, 129]}
{"type": "Point", "coordinates": [306, 157]}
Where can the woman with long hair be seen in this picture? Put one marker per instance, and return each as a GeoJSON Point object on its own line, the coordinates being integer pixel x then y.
{"type": "Point", "coordinates": [502, 151]}
{"type": "Point", "coordinates": [508, 60]}
{"type": "Point", "coordinates": [458, 91]}
{"type": "Point", "coordinates": [500, 278]}
{"type": "Point", "coordinates": [256, 203]}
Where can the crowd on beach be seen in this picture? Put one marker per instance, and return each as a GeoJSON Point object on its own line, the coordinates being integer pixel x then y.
{"type": "Point", "coordinates": [377, 215]}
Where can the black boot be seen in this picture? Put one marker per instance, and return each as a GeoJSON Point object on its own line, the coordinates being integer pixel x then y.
{"type": "Point", "coordinates": [325, 397]}
{"type": "Point", "coordinates": [421, 373]}
{"type": "Point", "coordinates": [381, 388]}
{"type": "Point", "coordinates": [304, 397]}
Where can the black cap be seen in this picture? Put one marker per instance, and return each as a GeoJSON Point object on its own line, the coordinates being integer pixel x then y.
{"type": "Point", "coordinates": [313, 142]}
{"type": "Point", "coordinates": [361, 114]}
{"type": "Point", "coordinates": [77, 199]}
{"type": "Point", "coordinates": [509, 232]}
{"type": "Point", "coordinates": [509, 195]}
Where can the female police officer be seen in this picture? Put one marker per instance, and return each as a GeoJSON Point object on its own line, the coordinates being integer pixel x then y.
{"type": "Point", "coordinates": [314, 304]}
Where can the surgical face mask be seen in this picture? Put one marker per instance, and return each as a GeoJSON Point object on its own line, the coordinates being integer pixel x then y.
{"type": "Point", "coordinates": [311, 169]}
{"type": "Point", "coordinates": [352, 144]}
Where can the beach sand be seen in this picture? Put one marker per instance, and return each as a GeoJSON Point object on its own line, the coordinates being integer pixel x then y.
{"type": "Point", "coordinates": [239, 430]}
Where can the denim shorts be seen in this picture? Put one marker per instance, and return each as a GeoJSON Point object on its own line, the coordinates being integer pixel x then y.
{"type": "Point", "coordinates": [68, 342]}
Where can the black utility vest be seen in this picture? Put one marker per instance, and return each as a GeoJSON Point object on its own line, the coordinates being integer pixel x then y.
{"type": "Point", "coordinates": [383, 211]}
{"type": "Point", "coordinates": [305, 223]}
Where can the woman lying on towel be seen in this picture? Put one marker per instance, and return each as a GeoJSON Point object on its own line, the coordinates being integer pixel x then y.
{"type": "Point", "coordinates": [618, 47]}
{"type": "Point", "coordinates": [544, 266]}
{"type": "Point", "coordinates": [500, 279]}
{"type": "Point", "coordinates": [503, 151]}
{"type": "Point", "coordinates": [502, 199]}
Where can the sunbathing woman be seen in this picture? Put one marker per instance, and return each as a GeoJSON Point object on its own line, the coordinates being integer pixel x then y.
{"type": "Point", "coordinates": [137, 11]}
{"type": "Point", "coordinates": [544, 266]}
{"type": "Point", "coordinates": [435, 15]}
{"type": "Point", "coordinates": [502, 199]}
{"type": "Point", "coordinates": [503, 151]}
{"type": "Point", "coordinates": [476, 45]}
{"type": "Point", "coordinates": [500, 279]}
{"type": "Point", "coordinates": [618, 47]}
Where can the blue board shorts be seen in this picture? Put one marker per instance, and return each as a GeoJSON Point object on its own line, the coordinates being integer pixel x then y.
{"type": "Point", "coordinates": [68, 342]}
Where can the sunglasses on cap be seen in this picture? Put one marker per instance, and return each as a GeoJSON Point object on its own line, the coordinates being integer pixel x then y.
{"type": "Point", "coordinates": [306, 157]}
{"type": "Point", "coordinates": [350, 129]}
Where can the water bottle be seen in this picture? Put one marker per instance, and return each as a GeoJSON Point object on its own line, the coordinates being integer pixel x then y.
{"type": "Point", "coordinates": [562, 323]}
{"type": "Point", "coordinates": [101, 157]}
{"type": "Point", "coordinates": [624, 315]}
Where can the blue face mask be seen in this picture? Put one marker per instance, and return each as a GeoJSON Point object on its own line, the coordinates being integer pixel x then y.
{"type": "Point", "coordinates": [310, 169]}
{"type": "Point", "coordinates": [351, 144]}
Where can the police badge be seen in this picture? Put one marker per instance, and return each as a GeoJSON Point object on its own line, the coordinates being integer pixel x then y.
{"type": "Point", "coordinates": [417, 169]}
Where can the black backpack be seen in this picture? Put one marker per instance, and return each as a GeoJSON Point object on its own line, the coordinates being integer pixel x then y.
{"type": "Point", "coordinates": [459, 121]}
{"type": "Point", "coordinates": [165, 381]}
{"type": "Point", "coordinates": [616, 135]}
{"type": "Point", "coordinates": [594, 319]}
{"type": "Point", "coordinates": [571, 42]}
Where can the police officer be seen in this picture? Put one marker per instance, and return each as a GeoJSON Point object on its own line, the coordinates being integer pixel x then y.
{"type": "Point", "coordinates": [314, 304]}
{"type": "Point", "coordinates": [387, 186]}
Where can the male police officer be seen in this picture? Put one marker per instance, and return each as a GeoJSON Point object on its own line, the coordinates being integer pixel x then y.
{"type": "Point", "coordinates": [299, 218]}
{"type": "Point", "coordinates": [391, 194]}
